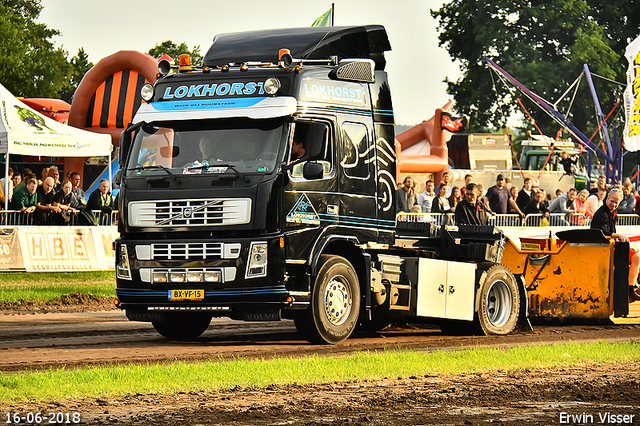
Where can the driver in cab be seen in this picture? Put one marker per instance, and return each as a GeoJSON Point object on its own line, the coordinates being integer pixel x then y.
{"type": "Point", "coordinates": [297, 146]}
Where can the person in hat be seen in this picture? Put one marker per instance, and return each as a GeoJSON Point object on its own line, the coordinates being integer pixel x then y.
{"type": "Point", "coordinates": [498, 198]}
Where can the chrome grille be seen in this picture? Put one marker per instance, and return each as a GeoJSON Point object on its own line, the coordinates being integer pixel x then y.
{"type": "Point", "coordinates": [185, 251]}
{"type": "Point", "coordinates": [230, 211]}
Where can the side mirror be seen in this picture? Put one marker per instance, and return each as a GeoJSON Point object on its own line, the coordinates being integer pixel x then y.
{"type": "Point", "coordinates": [117, 178]}
{"type": "Point", "coordinates": [316, 141]}
{"type": "Point", "coordinates": [125, 142]}
{"type": "Point", "coordinates": [313, 171]}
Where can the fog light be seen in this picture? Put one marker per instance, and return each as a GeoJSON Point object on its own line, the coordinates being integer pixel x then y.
{"type": "Point", "coordinates": [194, 276]}
{"type": "Point", "coordinates": [213, 277]}
{"type": "Point", "coordinates": [271, 86]}
{"type": "Point", "coordinates": [177, 277]}
{"type": "Point", "coordinates": [147, 92]}
{"type": "Point", "coordinates": [160, 277]}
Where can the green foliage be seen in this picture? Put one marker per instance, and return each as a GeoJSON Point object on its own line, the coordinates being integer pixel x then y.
{"type": "Point", "coordinates": [31, 65]}
{"type": "Point", "coordinates": [80, 65]}
{"type": "Point", "coordinates": [544, 45]}
{"type": "Point", "coordinates": [174, 50]}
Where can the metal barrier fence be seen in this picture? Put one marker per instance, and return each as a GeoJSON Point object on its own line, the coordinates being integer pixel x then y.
{"type": "Point", "coordinates": [530, 220]}
{"type": "Point", "coordinates": [17, 218]}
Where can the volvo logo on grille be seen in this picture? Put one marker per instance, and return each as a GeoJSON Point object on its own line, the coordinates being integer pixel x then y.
{"type": "Point", "coordinates": [187, 212]}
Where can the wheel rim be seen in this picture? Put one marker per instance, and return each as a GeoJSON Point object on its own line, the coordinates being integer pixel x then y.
{"type": "Point", "coordinates": [337, 300]}
{"type": "Point", "coordinates": [499, 303]}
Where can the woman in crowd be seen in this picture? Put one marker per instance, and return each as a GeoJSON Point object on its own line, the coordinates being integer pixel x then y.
{"type": "Point", "coordinates": [578, 218]}
{"type": "Point", "coordinates": [441, 202]}
{"type": "Point", "coordinates": [456, 197]}
{"type": "Point", "coordinates": [513, 194]}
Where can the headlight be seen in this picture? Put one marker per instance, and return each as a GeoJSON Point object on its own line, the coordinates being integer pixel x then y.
{"type": "Point", "coordinates": [257, 264]}
{"type": "Point", "coordinates": [123, 270]}
{"type": "Point", "coordinates": [271, 86]}
{"type": "Point", "coordinates": [147, 92]}
{"type": "Point", "coordinates": [160, 277]}
{"type": "Point", "coordinates": [177, 277]}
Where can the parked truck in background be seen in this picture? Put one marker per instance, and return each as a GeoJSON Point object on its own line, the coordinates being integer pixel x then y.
{"type": "Point", "coordinates": [486, 155]}
{"type": "Point", "coordinates": [222, 215]}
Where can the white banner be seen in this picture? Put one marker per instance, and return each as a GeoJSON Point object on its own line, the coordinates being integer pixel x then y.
{"type": "Point", "coordinates": [61, 248]}
{"type": "Point", "coordinates": [632, 97]}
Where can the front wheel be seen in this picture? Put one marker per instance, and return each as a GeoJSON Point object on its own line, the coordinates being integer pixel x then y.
{"type": "Point", "coordinates": [182, 325]}
{"type": "Point", "coordinates": [499, 301]}
{"type": "Point", "coordinates": [335, 303]}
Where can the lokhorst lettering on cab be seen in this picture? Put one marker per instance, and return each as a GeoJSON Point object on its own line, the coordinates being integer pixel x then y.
{"type": "Point", "coordinates": [214, 89]}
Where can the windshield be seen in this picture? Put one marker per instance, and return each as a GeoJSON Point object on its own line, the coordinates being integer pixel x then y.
{"type": "Point", "coordinates": [207, 146]}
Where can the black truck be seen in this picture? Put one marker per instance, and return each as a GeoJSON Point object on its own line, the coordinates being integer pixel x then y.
{"type": "Point", "coordinates": [260, 186]}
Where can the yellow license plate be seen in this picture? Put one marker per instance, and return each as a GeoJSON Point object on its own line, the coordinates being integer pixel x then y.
{"type": "Point", "coordinates": [186, 294]}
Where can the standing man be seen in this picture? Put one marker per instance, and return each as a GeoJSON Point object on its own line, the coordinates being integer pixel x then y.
{"type": "Point", "coordinates": [74, 177]}
{"type": "Point", "coordinates": [605, 219]}
{"type": "Point", "coordinates": [467, 180]}
{"type": "Point", "coordinates": [45, 194]}
{"type": "Point", "coordinates": [425, 200]}
{"type": "Point", "coordinates": [602, 184]}
{"type": "Point", "coordinates": [525, 194]}
{"type": "Point", "coordinates": [25, 199]}
{"type": "Point", "coordinates": [498, 198]}
{"type": "Point", "coordinates": [405, 196]}
{"type": "Point", "coordinates": [446, 178]}
{"type": "Point", "coordinates": [470, 211]}
{"type": "Point", "coordinates": [55, 174]}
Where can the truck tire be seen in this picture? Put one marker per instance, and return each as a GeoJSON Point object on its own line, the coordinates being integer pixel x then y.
{"type": "Point", "coordinates": [182, 325]}
{"type": "Point", "coordinates": [335, 303]}
{"type": "Point", "coordinates": [499, 300]}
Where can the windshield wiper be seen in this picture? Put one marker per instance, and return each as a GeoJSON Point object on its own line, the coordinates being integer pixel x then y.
{"type": "Point", "coordinates": [157, 167]}
{"type": "Point", "coordinates": [215, 165]}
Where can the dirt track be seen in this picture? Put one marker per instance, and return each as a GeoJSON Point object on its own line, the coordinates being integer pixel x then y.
{"type": "Point", "coordinates": [526, 397]}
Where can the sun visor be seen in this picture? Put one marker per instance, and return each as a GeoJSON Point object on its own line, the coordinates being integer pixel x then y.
{"type": "Point", "coordinates": [257, 108]}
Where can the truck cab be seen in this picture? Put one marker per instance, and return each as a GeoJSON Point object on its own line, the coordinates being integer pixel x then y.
{"type": "Point", "coordinates": [219, 215]}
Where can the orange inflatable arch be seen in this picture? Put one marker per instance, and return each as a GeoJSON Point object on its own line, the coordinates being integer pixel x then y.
{"type": "Point", "coordinates": [109, 96]}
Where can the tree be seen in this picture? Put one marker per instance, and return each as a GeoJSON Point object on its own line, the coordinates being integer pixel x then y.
{"type": "Point", "coordinates": [31, 65]}
{"type": "Point", "coordinates": [79, 66]}
{"type": "Point", "coordinates": [173, 50]}
{"type": "Point", "coordinates": [543, 44]}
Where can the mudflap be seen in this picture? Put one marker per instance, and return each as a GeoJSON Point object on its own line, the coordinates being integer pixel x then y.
{"type": "Point", "coordinates": [621, 279]}
{"type": "Point", "coordinates": [144, 315]}
{"type": "Point", "coordinates": [524, 325]}
{"type": "Point", "coordinates": [261, 313]}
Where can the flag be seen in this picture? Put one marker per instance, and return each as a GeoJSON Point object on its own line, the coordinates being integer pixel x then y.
{"type": "Point", "coordinates": [324, 20]}
{"type": "Point", "coordinates": [632, 97]}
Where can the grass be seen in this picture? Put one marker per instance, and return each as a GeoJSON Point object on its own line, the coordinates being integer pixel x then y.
{"type": "Point", "coordinates": [19, 288]}
{"type": "Point", "coordinates": [180, 376]}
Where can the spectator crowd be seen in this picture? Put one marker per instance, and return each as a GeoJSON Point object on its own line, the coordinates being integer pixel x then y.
{"type": "Point", "coordinates": [45, 200]}
{"type": "Point", "coordinates": [471, 203]}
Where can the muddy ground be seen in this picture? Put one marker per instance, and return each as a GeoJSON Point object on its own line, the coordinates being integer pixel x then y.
{"type": "Point", "coordinates": [545, 396]}
{"type": "Point", "coordinates": [600, 394]}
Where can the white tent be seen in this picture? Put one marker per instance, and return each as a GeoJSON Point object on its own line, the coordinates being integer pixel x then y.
{"type": "Point", "coordinates": [27, 132]}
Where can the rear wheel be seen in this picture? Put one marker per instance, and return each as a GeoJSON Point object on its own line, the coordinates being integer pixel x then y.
{"type": "Point", "coordinates": [335, 303]}
{"type": "Point", "coordinates": [499, 302]}
{"type": "Point", "coordinates": [182, 325]}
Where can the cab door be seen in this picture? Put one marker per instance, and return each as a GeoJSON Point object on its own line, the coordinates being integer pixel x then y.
{"type": "Point", "coordinates": [357, 183]}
